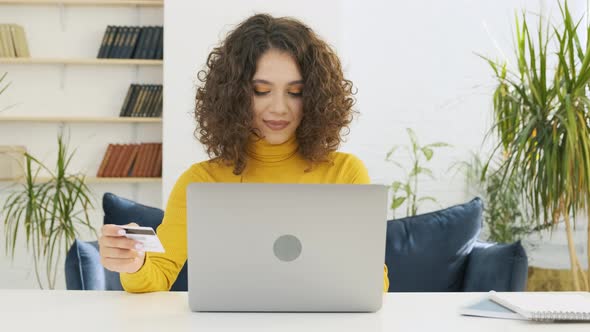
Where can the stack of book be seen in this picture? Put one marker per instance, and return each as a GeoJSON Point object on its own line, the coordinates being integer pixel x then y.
{"type": "Point", "coordinates": [127, 42]}
{"type": "Point", "coordinates": [13, 41]}
{"type": "Point", "coordinates": [132, 160]}
{"type": "Point", "coordinates": [143, 100]}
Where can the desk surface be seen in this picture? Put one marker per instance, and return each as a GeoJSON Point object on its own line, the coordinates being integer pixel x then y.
{"type": "Point", "coordinates": [36, 310]}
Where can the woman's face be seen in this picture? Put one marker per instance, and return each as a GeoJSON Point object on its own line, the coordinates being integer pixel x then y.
{"type": "Point", "coordinates": [276, 101]}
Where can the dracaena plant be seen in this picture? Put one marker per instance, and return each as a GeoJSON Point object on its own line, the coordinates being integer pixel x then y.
{"type": "Point", "coordinates": [541, 106]}
{"type": "Point", "coordinates": [506, 215]}
{"type": "Point", "coordinates": [48, 211]}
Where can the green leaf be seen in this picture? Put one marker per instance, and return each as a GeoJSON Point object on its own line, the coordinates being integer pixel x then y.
{"type": "Point", "coordinates": [422, 170]}
{"type": "Point", "coordinates": [397, 202]}
{"type": "Point", "coordinates": [427, 198]}
{"type": "Point", "coordinates": [391, 152]}
{"type": "Point", "coordinates": [413, 138]}
{"type": "Point", "coordinates": [428, 152]}
{"type": "Point", "coordinates": [437, 145]}
{"type": "Point", "coordinates": [396, 185]}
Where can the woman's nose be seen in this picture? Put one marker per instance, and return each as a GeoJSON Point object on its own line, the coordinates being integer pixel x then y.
{"type": "Point", "coordinates": [279, 104]}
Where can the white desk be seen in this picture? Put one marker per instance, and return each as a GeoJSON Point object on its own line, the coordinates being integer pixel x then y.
{"type": "Point", "coordinates": [40, 311]}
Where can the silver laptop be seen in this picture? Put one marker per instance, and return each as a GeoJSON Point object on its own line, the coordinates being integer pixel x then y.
{"type": "Point", "coordinates": [286, 247]}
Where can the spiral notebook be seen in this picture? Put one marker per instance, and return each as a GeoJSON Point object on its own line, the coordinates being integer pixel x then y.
{"type": "Point", "coordinates": [546, 306]}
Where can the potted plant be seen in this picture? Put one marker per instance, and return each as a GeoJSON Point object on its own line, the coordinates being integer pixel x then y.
{"type": "Point", "coordinates": [507, 212]}
{"type": "Point", "coordinates": [407, 191]}
{"type": "Point", "coordinates": [542, 119]}
{"type": "Point", "coordinates": [48, 211]}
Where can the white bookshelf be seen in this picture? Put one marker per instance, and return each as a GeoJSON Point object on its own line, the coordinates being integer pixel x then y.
{"type": "Point", "coordinates": [81, 62]}
{"type": "Point", "coordinates": [99, 180]}
{"type": "Point", "coordinates": [74, 119]}
{"type": "Point", "coordinates": [146, 3]}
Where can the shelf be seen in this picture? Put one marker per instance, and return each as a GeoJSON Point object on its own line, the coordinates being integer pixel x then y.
{"type": "Point", "coordinates": [146, 3]}
{"type": "Point", "coordinates": [79, 119]}
{"type": "Point", "coordinates": [123, 180]}
{"type": "Point", "coordinates": [97, 180]}
{"type": "Point", "coordinates": [81, 61]}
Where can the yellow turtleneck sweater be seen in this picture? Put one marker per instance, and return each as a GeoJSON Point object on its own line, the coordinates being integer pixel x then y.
{"type": "Point", "coordinates": [267, 163]}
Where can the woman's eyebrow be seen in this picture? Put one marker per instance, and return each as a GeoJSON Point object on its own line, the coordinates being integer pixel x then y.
{"type": "Point", "coordinates": [270, 83]}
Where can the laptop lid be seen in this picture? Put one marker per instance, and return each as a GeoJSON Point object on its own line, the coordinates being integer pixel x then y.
{"type": "Point", "coordinates": [286, 247]}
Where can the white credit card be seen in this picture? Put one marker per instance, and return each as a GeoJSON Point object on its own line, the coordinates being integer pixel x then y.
{"type": "Point", "coordinates": [146, 236]}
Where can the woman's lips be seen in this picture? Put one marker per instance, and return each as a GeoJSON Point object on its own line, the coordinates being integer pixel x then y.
{"type": "Point", "coordinates": [276, 125]}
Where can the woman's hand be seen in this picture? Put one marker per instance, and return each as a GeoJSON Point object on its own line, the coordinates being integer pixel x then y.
{"type": "Point", "coordinates": [118, 253]}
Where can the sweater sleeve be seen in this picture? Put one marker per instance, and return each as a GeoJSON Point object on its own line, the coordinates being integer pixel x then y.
{"type": "Point", "coordinates": [160, 270]}
{"type": "Point", "coordinates": [358, 174]}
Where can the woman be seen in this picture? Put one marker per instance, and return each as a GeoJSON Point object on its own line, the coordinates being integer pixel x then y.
{"type": "Point", "coordinates": [272, 108]}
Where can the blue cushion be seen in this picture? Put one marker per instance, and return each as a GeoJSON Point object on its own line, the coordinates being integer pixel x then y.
{"type": "Point", "coordinates": [82, 267]}
{"type": "Point", "coordinates": [121, 211]}
{"type": "Point", "coordinates": [499, 267]}
{"type": "Point", "coordinates": [428, 252]}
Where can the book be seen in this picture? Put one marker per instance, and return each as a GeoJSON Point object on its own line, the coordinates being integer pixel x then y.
{"type": "Point", "coordinates": [127, 100]}
{"type": "Point", "coordinates": [138, 102]}
{"type": "Point", "coordinates": [159, 101]}
{"type": "Point", "coordinates": [103, 44]}
{"type": "Point", "coordinates": [546, 306]}
{"type": "Point", "coordinates": [488, 308]}
{"type": "Point", "coordinates": [536, 306]}
{"type": "Point", "coordinates": [133, 149]}
{"type": "Point", "coordinates": [118, 43]}
{"type": "Point", "coordinates": [151, 168]}
{"type": "Point", "coordinates": [130, 42]}
{"type": "Point", "coordinates": [6, 42]}
{"type": "Point", "coordinates": [121, 171]}
{"type": "Point", "coordinates": [153, 48]}
{"type": "Point", "coordinates": [139, 43]}
{"type": "Point", "coordinates": [144, 49]}
{"type": "Point", "coordinates": [143, 167]}
{"type": "Point", "coordinates": [110, 40]}
{"type": "Point", "coordinates": [22, 42]}
{"type": "Point", "coordinates": [141, 172]}
{"type": "Point", "coordinates": [142, 100]}
{"type": "Point", "coordinates": [148, 101]}
{"type": "Point", "coordinates": [126, 43]}
{"type": "Point", "coordinates": [139, 160]}
{"type": "Point", "coordinates": [15, 44]}
{"type": "Point", "coordinates": [133, 100]}
{"type": "Point", "coordinates": [158, 170]}
{"type": "Point", "coordinates": [134, 37]}
{"type": "Point", "coordinates": [154, 102]}
{"type": "Point", "coordinates": [160, 52]}
{"type": "Point", "coordinates": [105, 161]}
{"type": "Point", "coordinates": [116, 154]}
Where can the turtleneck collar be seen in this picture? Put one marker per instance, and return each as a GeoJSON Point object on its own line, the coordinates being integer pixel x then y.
{"type": "Point", "coordinates": [260, 150]}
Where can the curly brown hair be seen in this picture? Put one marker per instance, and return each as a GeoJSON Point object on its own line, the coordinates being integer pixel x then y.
{"type": "Point", "coordinates": [223, 103]}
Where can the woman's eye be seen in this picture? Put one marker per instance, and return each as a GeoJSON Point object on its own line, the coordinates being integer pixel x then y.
{"type": "Point", "coordinates": [296, 94]}
{"type": "Point", "coordinates": [261, 92]}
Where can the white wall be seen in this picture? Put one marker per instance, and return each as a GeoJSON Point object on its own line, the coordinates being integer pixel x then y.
{"type": "Point", "coordinates": [193, 28]}
{"type": "Point", "coordinates": [413, 63]}
{"type": "Point", "coordinates": [87, 91]}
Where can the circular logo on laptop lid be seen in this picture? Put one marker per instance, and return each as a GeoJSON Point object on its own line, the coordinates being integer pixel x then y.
{"type": "Point", "coordinates": [287, 248]}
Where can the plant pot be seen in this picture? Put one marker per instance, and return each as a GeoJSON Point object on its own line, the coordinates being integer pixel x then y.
{"type": "Point", "coordinates": [543, 280]}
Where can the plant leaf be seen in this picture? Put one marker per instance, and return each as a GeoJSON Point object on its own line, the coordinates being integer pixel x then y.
{"type": "Point", "coordinates": [397, 202]}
